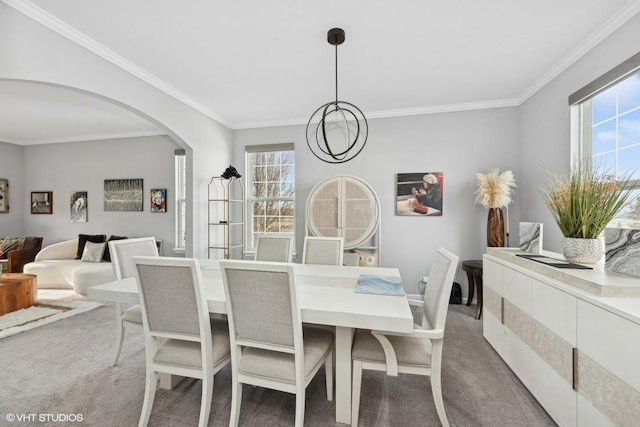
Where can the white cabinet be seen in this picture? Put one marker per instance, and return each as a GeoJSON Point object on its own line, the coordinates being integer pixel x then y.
{"type": "Point", "coordinates": [579, 358]}
{"type": "Point", "coordinates": [345, 206]}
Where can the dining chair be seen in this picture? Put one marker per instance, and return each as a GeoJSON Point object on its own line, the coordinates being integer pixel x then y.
{"type": "Point", "coordinates": [269, 346]}
{"type": "Point", "coordinates": [121, 252]}
{"type": "Point", "coordinates": [418, 352]}
{"type": "Point", "coordinates": [323, 250]}
{"type": "Point", "coordinates": [180, 338]}
{"type": "Point", "coordinates": [274, 248]}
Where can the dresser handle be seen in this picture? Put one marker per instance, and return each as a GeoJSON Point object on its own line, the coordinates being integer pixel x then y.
{"type": "Point", "coordinates": [502, 310]}
{"type": "Point", "coordinates": [574, 369]}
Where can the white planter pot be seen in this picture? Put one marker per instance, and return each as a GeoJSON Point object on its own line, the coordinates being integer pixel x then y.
{"type": "Point", "coordinates": [585, 251]}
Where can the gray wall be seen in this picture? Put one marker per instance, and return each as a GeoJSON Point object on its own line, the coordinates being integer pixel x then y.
{"type": "Point", "coordinates": [458, 144]}
{"type": "Point", "coordinates": [83, 166]}
{"type": "Point", "coordinates": [545, 131]}
{"type": "Point", "coordinates": [11, 168]}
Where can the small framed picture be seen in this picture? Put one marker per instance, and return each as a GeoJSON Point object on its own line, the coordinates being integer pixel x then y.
{"type": "Point", "coordinates": [158, 200]}
{"type": "Point", "coordinates": [79, 206]}
{"type": "Point", "coordinates": [42, 202]}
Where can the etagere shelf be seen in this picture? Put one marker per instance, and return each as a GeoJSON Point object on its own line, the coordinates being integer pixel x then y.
{"type": "Point", "coordinates": [225, 218]}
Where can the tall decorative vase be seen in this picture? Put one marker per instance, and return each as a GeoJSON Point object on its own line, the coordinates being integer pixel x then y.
{"type": "Point", "coordinates": [495, 228]}
{"type": "Point", "coordinates": [585, 251]}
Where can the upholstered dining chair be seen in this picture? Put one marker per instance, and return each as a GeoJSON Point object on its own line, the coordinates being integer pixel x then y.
{"type": "Point", "coordinates": [268, 347]}
{"type": "Point", "coordinates": [419, 352]}
{"type": "Point", "coordinates": [121, 252]}
{"type": "Point", "coordinates": [323, 250]}
{"type": "Point", "coordinates": [274, 248]}
{"type": "Point", "coordinates": [180, 338]}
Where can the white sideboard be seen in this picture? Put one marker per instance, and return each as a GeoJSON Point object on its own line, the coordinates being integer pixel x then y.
{"type": "Point", "coordinates": [575, 347]}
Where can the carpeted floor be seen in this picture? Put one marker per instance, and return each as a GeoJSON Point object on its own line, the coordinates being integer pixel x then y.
{"type": "Point", "coordinates": [63, 368]}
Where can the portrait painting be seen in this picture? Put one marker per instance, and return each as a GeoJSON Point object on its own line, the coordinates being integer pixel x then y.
{"type": "Point", "coordinates": [419, 194]}
{"type": "Point", "coordinates": [158, 200]}
{"type": "Point", "coordinates": [123, 195]}
{"type": "Point", "coordinates": [78, 205]}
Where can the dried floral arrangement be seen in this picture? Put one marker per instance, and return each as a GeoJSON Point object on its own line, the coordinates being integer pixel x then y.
{"type": "Point", "coordinates": [7, 244]}
{"type": "Point", "coordinates": [587, 201]}
{"type": "Point", "coordinates": [495, 188]}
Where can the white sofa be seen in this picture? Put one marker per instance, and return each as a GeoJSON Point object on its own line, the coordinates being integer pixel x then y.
{"type": "Point", "coordinates": [57, 267]}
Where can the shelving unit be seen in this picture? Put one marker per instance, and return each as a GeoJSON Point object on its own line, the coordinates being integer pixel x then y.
{"type": "Point", "coordinates": [225, 218]}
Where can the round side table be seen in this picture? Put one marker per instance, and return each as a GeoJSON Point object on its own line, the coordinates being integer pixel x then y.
{"type": "Point", "coordinates": [473, 268]}
{"type": "Point", "coordinates": [17, 291]}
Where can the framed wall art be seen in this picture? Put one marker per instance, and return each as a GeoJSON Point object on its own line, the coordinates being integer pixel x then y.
{"type": "Point", "coordinates": [158, 200]}
{"type": "Point", "coordinates": [419, 194]}
{"type": "Point", "coordinates": [123, 195]}
{"type": "Point", "coordinates": [42, 202]}
{"type": "Point", "coordinates": [4, 195]}
{"type": "Point", "coordinates": [78, 206]}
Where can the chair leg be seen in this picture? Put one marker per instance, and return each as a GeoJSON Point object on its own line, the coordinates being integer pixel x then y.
{"type": "Point", "coordinates": [436, 381]}
{"type": "Point", "coordinates": [149, 396]}
{"type": "Point", "coordinates": [328, 373]}
{"type": "Point", "coordinates": [236, 400]}
{"type": "Point", "coordinates": [355, 392]}
{"type": "Point", "coordinates": [300, 398]}
{"type": "Point", "coordinates": [207, 395]}
{"type": "Point", "coordinates": [119, 335]}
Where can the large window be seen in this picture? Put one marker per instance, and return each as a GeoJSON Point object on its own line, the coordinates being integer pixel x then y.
{"type": "Point", "coordinates": [609, 123]}
{"type": "Point", "coordinates": [270, 191]}
{"type": "Point", "coordinates": [181, 198]}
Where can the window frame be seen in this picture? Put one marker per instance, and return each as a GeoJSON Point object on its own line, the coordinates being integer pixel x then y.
{"type": "Point", "coordinates": [250, 199]}
{"type": "Point", "coordinates": [180, 200]}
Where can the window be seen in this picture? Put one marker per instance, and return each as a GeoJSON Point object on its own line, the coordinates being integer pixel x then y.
{"type": "Point", "coordinates": [270, 191]}
{"type": "Point", "coordinates": [181, 198]}
{"type": "Point", "coordinates": [609, 122]}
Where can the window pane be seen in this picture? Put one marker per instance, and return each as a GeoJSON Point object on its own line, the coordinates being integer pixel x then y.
{"type": "Point", "coordinates": [629, 93]}
{"type": "Point", "coordinates": [629, 161]}
{"type": "Point", "coordinates": [629, 129]}
{"type": "Point", "coordinates": [604, 137]}
{"type": "Point", "coordinates": [272, 178]}
{"type": "Point", "coordinates": [604, 105]}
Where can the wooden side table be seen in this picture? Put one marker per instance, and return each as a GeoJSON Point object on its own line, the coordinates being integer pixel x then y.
{"type": "Point", "coordinates": [17, 291]}
{"type": "Point", "coordinates": [473, 268]}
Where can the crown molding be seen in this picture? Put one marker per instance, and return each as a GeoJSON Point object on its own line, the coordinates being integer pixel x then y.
{"type": "Point", "coordinates": [627, 12]}
{"type": "Point", "coordinates": [392, 113]}
{"type": "Point", "coordinates": [87, 138]}
{"type": "Point", "coordinates": [39, 15]}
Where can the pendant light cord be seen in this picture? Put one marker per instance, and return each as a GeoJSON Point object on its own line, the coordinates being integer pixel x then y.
{"type": "Point", "coordinates": [336, 76]}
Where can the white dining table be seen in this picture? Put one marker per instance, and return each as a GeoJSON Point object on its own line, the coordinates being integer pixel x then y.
{"type": "Point", "coordinates": [326, 295]}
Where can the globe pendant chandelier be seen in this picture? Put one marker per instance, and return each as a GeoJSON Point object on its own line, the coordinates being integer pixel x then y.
{"type": "Point", "coordinates": [337, 131]}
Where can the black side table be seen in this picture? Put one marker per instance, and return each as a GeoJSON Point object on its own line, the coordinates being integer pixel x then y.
{"type": "Point", "coordinates": [473, 268]}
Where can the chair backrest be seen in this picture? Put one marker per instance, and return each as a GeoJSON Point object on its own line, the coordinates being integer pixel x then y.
{"type": "Point", "coordinates": [171, 298]}
{"type": "Point", "coordinates": [438, 290]}
{"type": "Point", "coordinates": [262, 305]}
{"type": "Point", "coordinates": [323, 250]}
{"type": "Point", "coordinates": [121, 252]}
{"type": "Point", "coordinates": [274, 249]}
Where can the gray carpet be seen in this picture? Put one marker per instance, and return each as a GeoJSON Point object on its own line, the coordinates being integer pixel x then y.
{"type": "Point", "coordinates": [63, 368]}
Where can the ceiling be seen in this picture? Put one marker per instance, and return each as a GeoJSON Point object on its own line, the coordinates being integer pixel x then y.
{"type": "Point", "coordinates": [251, 63]}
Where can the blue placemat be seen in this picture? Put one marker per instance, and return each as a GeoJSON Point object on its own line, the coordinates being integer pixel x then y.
{"type": "Point", "coordinates": [381, 285]}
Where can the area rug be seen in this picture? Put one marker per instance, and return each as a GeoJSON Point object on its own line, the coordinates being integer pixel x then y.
{"type": "Point", "coordinates": [44, 312]}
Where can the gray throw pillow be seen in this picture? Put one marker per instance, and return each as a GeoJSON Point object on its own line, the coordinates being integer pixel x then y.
{"type": "Point", "coordinates": [93, 252]}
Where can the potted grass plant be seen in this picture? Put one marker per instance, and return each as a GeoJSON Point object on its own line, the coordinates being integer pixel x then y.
{"type": "Point", "coordinates": [583, 205]}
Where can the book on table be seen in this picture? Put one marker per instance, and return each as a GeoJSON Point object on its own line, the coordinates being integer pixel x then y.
{"type": "Point", "coordinates": [381, 285]}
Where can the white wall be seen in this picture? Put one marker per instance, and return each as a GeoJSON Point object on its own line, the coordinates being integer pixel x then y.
{"type": "Point", "coordinates": [32, 52]}
{"type": "Point", "coordinates": [544, 139]}
{"type": "Point", "coordinates": [83, 166]}
{"type": "Point", "coordinates": [11, 168]}
{"type": "Point", "coordinates": [458, 144]}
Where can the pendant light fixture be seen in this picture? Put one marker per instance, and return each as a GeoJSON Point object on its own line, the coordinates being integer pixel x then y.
{"type": "Point", "coordinates": [337, 131]}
